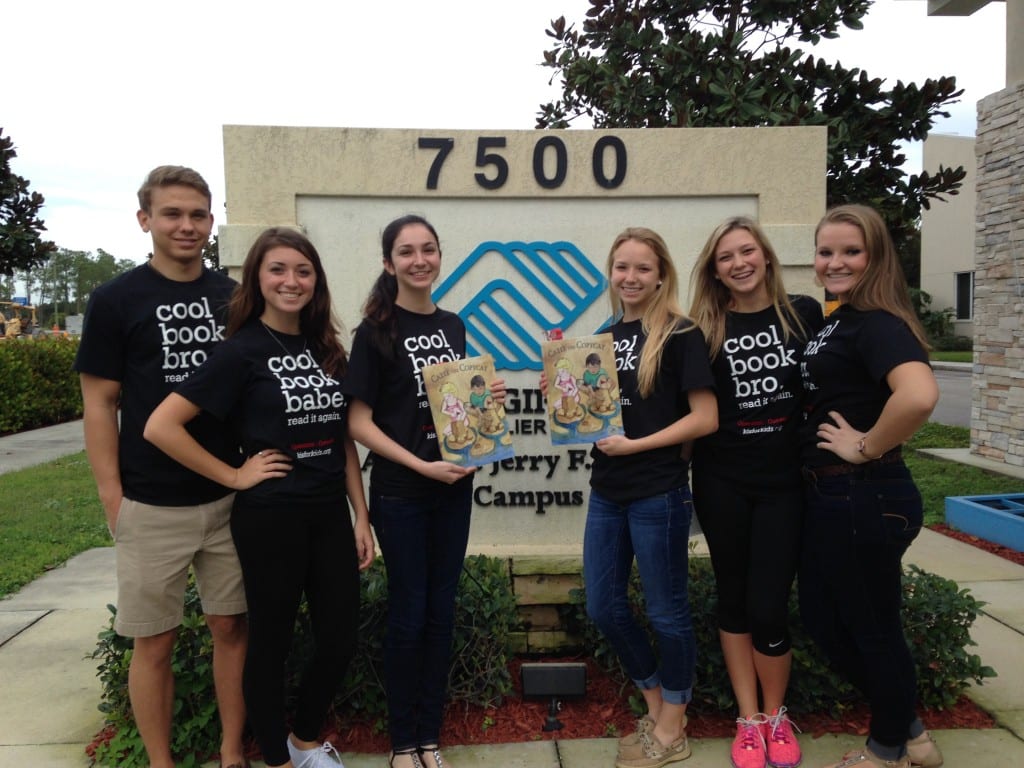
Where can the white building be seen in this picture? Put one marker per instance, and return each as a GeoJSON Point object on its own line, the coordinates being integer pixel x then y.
{"type": "Point", "coordinates": [947, 233]}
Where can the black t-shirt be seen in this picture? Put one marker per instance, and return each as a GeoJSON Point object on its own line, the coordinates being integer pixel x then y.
{"type": "Point", "coordinates": [393, 387]}
{"type": "Point", "coordinates": [275, 395]}
{"type": "Point", "coordinates": [150, 333]}
{"type": "Point", "coordinates": [844, 370]}
{"type": "Point", "coordinates": [684, 367]}
{"type": "Point", "coordinates": [760, 394]}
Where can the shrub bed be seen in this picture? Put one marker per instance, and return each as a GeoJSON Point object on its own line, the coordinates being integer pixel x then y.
{"type": "Point", "coordinates": [38, 385]}
{"type": "Point", "coordinates": [485, 615]}
{"type": "Point", "coordinates": [937, 617]}
{"type": "Point", "coordinates": [937, 614]}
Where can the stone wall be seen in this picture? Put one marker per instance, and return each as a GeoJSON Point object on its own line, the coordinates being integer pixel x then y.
{"type": "Point", "coordinates": [997, 400]}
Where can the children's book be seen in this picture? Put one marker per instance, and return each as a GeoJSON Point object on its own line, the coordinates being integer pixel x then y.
{"type": "Point", "coordinates": [471, 426]}
{"type": "Point", "coordinates": [583, 389]}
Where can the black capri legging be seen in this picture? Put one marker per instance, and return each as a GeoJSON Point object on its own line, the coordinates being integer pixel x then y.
{"type": "Point", "coordinates": [285, 553]}
{"type": "Point", "coordinates": [753, 535]}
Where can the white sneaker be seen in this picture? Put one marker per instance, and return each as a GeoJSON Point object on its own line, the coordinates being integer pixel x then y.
{"type": "Point", "coordinates": [324, 756]}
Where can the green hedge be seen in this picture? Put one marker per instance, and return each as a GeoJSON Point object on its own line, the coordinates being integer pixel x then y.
{"type": "Point", "coordinates": [937, 614]}
{"type": "Point", "coordinates": [937, 617]}
{"type": "Point", "coordinates": [952, 343]}
{"type": "Point", "coordinates": [37, 385]}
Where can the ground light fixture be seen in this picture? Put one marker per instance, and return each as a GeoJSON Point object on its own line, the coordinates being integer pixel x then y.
{"type": "Point", "coordinates": [553, 681]}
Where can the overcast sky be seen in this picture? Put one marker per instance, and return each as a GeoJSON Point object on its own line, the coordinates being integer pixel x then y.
{"type": "Point", "coordinates": [96, 94]}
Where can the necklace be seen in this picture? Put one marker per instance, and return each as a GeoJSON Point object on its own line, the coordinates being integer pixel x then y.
{"type": "Point", "coordinates": [281, 343]}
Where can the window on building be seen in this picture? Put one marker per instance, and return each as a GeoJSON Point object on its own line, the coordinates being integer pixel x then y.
{"type": "Point", "coordinates": [964, 295]}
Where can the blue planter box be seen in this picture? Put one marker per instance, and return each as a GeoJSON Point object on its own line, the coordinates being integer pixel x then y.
{"type": "Point", "coordinates": [997, 518]}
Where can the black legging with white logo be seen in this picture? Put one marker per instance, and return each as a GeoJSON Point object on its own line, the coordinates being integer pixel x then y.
{"type": "Point", "coordinates": [753, 534]}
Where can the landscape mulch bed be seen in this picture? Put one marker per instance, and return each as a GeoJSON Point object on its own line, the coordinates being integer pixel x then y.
{"type": "Point", "coordinates": [605, 709]}
{"type": "Point", "coordinates": [996, 549]}
{"type": "Point", "coordinates": [604, 712]}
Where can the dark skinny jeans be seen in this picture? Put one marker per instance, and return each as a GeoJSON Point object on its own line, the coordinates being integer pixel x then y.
{"type": "Point", "coordinates": [423, 541]}
{"type": "Point", "coordinates": [858, 527]}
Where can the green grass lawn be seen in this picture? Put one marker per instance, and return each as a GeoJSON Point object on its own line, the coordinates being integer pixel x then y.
{"type": "Point", "coordinates": [50, 513]}
{"type": "Point", "coordinates": [953, 356]}
{"type": "Point", "coordinates": [938, 479]}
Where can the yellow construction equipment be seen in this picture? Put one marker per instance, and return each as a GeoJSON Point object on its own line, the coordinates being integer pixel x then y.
{"type": "Point", "coordinates": [17, 320]}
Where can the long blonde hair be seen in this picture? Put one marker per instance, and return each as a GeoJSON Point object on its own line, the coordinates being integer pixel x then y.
{"type": "Point", "coordinates": [662, 315]}
{"type": "Point", "coordinates": [883, 284]}
{"type": "Point", "coordinates": [711, 297]}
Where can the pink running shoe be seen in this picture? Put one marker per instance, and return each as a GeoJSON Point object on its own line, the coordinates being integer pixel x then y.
{"type": "Point", "coordinates": [782, 747]}
{"type": "Point", "coordinates": [748, 746]}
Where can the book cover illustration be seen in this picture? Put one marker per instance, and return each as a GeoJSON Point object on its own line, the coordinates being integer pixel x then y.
{"type": "Point", "coordinates": [583, 389]}
{"type": "Point", "coordinates": [471, 427]}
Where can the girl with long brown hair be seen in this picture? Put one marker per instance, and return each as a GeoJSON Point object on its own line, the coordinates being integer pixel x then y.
{"type": "Point", "coordinates": [869, 387]}
{"type": "Point", "coordinates": [276, 381]}
{"type": "Point", "coordinates": [746, 482]}
{"type": "Point", "coordinates": [420, 505]}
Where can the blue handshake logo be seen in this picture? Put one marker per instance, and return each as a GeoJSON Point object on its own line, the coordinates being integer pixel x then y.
{"type": "Point", "coordinates": [554, 283]}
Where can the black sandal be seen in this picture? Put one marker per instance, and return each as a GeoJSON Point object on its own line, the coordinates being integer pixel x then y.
{"type": "Point", "coordinates": [435, 752]}
{"type": "Point", "coordinates": [412, 751]}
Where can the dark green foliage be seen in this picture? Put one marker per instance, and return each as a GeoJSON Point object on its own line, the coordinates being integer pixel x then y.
{"type": "Point", "coordinates": [63, 284]}
{"type": "Point", "coordinates": [951, 343]}
{"type": "Point", "coordinates": [937, 616]}
{"type": "Point", "coordinates": [211, 256]}
{"type": "Point", "coordinates": [21, 245]}
{"type": "Point", "coordinates": [38, 385]}
{"type": "Point", "coordinates": [485, 616]}
{"type": "Point", "coordinates": [196, 733]}
{"type": "Point", "coordinates": [701, 63]}
{"type": "Point", "coordinates": [938, 323]}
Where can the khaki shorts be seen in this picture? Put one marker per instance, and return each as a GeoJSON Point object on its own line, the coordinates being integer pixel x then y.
{"type": "Point", "coordinates": [155, 547]}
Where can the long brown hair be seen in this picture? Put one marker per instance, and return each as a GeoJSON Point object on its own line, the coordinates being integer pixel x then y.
{"type": "Point", "coordinates": [662, 315]}
{"type": "Point", "coordinates": [711, 297]}
{"type": "Point", "coordinates": [316, 320]}
{"type": "Point", "coordinates": [883, 284]}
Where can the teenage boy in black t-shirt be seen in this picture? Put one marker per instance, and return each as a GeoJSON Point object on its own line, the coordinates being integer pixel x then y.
{"type": "Point", "coordinates": [145, 332]}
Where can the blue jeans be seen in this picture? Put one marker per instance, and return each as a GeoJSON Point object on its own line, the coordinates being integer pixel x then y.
{"type": "Point", "coordinates": [657, 531]}
{"type": "Point", "coordinates": [423, 542]}
{"type": "Point", "coordinates": [858, 527]}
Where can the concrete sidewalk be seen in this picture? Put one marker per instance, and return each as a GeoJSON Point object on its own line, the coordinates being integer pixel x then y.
{"type": "Point", "coordinates": [48, 711]}
{"type": "Point", "coordinates": [37, 446]}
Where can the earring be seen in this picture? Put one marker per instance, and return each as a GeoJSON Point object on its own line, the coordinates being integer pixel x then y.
{"type": "Point", "coordinates": [659, 283]}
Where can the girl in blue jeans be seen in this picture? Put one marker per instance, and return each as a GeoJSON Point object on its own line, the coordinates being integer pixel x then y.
{"type": "Point", "coordinates": [640, 503]}
{"type": "Point", "coordinates": [419, 505]}
{"type": "Point", "coordinates": [869, 388]}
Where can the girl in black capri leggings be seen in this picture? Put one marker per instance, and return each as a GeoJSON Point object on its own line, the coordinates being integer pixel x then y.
{"type": "Point", "coordinates": [746, 481]}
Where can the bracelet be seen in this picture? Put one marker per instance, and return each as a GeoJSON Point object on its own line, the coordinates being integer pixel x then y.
{"type": "Point", "coordinates": [861, 450]}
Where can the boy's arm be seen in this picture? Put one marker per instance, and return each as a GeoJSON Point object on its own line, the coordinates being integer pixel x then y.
{"type": "Point", "coordinates": [100, 399]}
